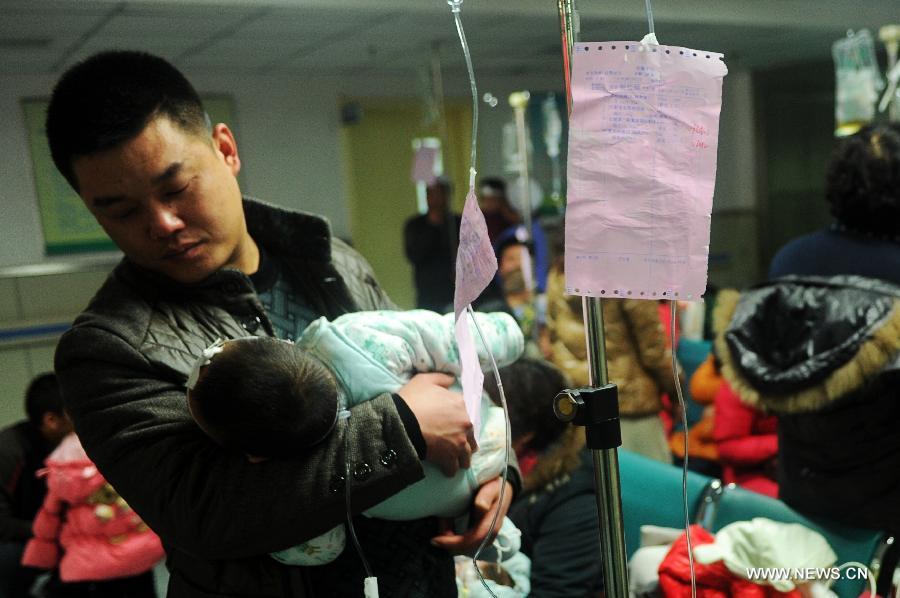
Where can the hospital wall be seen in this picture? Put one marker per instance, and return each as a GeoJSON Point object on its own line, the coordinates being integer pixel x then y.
{"type": "Point", "coordinates": [288, 130]}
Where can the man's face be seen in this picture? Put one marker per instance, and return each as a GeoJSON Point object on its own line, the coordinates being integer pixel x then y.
{"type": "Point", "coordinates": [437, 198]}
{"type": "Point", "coordinates": [510, 259]}
{"type": "Point", "coordinates": [170, 200]}
{"type": "Point", "coordinates": [489, 201]}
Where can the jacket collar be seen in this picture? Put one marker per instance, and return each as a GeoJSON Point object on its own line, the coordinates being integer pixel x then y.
{"type": "Point", "coordinates": [557, 462]}
{"type": "Point", "coordinates": [287, 232]}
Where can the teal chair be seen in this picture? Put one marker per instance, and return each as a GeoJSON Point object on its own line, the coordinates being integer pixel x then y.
{"type": "Point", "coordinates": [651, 495]}
{"type": "Point", "coordinates": [691, 354]}
{"type": "Point", "coordinates": [849, 544]}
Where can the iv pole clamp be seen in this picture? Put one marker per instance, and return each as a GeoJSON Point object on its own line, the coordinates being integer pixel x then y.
{"type": "Point", "coordinates": [597, 409]}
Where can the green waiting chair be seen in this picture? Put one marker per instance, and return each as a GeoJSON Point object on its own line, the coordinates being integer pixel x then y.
{"type": "Point", "coordinates": [651, 495]}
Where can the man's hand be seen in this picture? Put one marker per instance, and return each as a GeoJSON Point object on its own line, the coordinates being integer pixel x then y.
{"type": "Point", "coordinates": [448, 433]}
{"type": "Point", "coordinates": [486, 503]}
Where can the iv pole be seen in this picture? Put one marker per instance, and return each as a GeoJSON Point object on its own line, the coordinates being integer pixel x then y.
{"type": "Point", "coordinates": [437, 83]}
{"type": "Point", "coordinates": [597, 407]}
{"type": "Point", "coordinates": [519, 102]}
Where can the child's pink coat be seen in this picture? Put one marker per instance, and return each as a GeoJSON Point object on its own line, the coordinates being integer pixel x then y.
{"type": "Point", "coordinates": [84, 527]}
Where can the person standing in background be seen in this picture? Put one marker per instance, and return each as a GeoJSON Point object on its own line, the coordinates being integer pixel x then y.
{"type": "Point", "coordinates": [638, 360]}
{"type": "Point", "coordinates": [23, 448]}
{"type": "Point", "coordinates": [430, 241]}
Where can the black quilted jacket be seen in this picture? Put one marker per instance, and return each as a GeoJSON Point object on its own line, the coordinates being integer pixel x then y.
{"type": "Point", "coordinates": [823, 353]}
{"type": "Point", "coordinates": [123, 367]}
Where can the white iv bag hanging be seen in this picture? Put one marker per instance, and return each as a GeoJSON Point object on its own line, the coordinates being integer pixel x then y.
{"type": "Point", "coordinates": [857, 80]}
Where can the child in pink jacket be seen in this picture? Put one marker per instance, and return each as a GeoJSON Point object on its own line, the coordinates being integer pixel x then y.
{"type": "Point", "coordinates": [99, 544]}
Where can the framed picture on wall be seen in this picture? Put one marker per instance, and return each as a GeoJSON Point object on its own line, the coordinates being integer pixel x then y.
{"type": "Point", "coordinates": [67, 226]}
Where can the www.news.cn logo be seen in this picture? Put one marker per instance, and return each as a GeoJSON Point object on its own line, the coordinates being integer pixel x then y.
{"type": "Point", "coordinates": [803, 574]}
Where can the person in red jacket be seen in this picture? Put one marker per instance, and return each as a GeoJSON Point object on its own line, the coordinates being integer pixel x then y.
{"type": "Point", "coordinates": [747, 443]}
{"type": "Point", "coordinates": [102, 548]}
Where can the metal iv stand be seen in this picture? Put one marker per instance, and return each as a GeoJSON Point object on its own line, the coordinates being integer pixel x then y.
{"type": "Point", "coordinates": [597, 407]}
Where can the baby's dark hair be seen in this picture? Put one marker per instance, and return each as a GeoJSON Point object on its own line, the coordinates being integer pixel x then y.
{"type": "Point", "coordinates": [530, 386]}
{"type": "Point", "coordinates": [265, 398]}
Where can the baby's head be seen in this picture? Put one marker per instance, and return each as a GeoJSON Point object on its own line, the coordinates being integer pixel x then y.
{"type": "Point", "coordinates": [262, 396]}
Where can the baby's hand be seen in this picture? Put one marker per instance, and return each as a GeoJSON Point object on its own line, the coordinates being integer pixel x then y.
{"type": "Point", "coordinates": [486, 503]}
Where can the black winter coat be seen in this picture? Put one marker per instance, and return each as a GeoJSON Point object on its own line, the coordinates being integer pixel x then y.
{"type": "Point", "coordinates": [824, 355]}
{"type": "Point", "coordinates": [123, 368]}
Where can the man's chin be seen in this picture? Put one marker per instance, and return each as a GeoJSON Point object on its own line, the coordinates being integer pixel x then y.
{"type": "Point", "coordinates": [191, 267]}
{"type": "Point", "coordinates": [186, 273]}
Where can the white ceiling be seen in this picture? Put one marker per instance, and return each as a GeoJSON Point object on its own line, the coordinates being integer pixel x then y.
{"type": "Point", "coordinates": [508, 37]}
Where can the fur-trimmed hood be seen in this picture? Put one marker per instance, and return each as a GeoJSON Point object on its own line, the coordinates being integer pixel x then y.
{"type": "Point", "coordinates": [559, 461]}
{"type": "Point", "coordinates": [798, 344]}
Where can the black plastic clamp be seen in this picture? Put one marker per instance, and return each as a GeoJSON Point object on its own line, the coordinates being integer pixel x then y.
{"type": "Point", "coordinates": [597, 409]}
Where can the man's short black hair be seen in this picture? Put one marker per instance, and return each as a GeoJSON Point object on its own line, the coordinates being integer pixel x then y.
{"type": "Point", "coordinates": [513, 236]}
{"type": "Point", "coordinates": [443, 183]}
{"type": "Point", "coordinates": [530, 386]}
{"type": "Point", "coordinates": [266, 398]}
{"type": "Point", "coordinates": [863, 181]}
{"type": "Point", "coordinates": [110, 98]}
{"type": "Point", "coordinates": [494, 184]}
{"type": "Point", "coordinates": [43, 396]}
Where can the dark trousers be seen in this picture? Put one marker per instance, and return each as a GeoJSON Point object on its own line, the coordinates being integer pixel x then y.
{"type": "Point", "coordinates": [15, 580]}
{"type": "Point", "coordinates": [139, 586]}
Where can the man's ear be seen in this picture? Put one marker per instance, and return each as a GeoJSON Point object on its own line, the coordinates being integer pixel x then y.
{"type": "Point", "coordinates": [49, 420]}
{"type": "Point", "coordinates": [226, 146]}
{"type": "Point", "coordinates": [55, 425]}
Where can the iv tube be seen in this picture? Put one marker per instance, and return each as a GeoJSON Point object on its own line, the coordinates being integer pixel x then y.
{"type": "Point", "coordinates": [508, 448]}
{"type": "Point", "coordinates": [650, 17]}
{"type": "Point", "coordinates": [673, 306]}
{"type": "Point", "coordinates": [455, 9]}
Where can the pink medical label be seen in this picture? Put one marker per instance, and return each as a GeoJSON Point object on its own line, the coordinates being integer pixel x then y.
{"type": "Point", "coordinates": [471, 378]}
{"type": "Point", "coordinates": [423, 165]}
{"type": "Point", "coordinates": [475, 268]}
{"type": "Point", "coordinates": [475, 259]}
{"type": "Point", "coordinates": [643, 137]}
